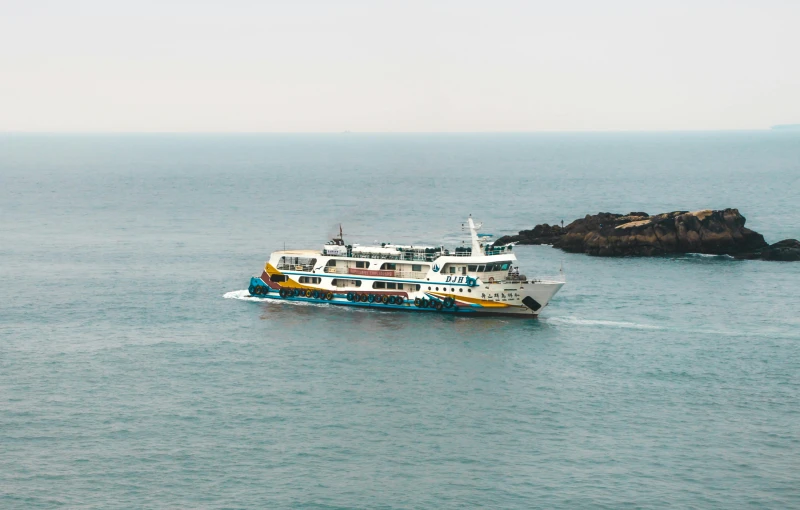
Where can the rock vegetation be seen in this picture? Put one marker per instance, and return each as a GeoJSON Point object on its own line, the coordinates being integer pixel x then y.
{"type": "Point", "coordinates": [717, 232]}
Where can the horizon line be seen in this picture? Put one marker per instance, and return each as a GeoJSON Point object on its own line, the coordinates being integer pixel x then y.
{"type": "Point", "coordinates": [348, 132]}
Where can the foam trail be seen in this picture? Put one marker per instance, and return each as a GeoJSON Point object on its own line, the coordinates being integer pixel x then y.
{"type": "Point", "coordinates": [708, 255]}
{"type": "Point", "coordinates": [244, 295]}
{"type": "Point", "coordinates": [592, 322]}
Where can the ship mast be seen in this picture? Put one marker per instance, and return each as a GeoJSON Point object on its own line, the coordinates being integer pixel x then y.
{"type": "Point", "coordinates": [473, 231]}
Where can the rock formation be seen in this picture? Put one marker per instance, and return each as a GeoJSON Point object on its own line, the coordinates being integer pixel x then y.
{"type": "Point", "coordinates": [540, 234]}
{"type": "Point", "coordinates": [719, 232]}
{"type": "Point", "coordinates": [787, 250]}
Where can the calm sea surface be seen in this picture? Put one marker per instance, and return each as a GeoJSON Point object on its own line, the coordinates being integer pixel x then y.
{"type": "Point", "coordinates": [133, 374]}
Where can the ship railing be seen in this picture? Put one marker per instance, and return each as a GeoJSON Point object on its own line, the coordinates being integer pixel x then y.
{"type": "Point", "coordinates": [295, 267]}
{"type": "Point", "coordinates": [386, 273]}
{"type": "Point", "coordinates": [417, 256]}
{"type": "Point", "coordinates": [559, 278]}
{"type": "Point", "coordinates": [422, 257]}
{"type": "Point", "coordinates": [517, 279]}
{"type": "Point", "coordinates": [400, 255]}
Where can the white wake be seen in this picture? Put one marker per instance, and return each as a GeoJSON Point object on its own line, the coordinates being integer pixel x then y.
{"type": "Point", "coordinates": [244, 295]}
{"type": "Point", "coordinates": [602, 323]}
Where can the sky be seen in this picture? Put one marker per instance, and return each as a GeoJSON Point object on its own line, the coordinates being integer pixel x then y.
{"type": "Point", "coordinates": [403, 66]}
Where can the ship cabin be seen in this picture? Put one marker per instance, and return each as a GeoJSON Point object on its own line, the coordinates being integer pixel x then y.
{"type": "Point", "coordinates": [399, 262]}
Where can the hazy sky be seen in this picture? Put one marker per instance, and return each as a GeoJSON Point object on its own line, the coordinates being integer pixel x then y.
{"type": "Point", "coordinates": [294, 65]}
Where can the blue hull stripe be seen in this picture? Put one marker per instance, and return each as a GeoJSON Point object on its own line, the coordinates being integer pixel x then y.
{"type": "Point", "coordinates": [335, 301]}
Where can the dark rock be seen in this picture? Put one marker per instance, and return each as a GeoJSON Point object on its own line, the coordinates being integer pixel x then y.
{"type": "Point", "coordinates": [540, 234]}
{"type": "Point", "coordinates": [638, 234]}
{"type": "Point", "coordinates": [787, 250]}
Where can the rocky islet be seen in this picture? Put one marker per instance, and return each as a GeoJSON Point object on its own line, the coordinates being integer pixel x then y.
{"type": "Point", "coordinates": [715, 232]}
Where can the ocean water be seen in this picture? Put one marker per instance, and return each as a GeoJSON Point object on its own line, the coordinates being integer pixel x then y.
{"type": "Point", "coordinates": [134, 372]}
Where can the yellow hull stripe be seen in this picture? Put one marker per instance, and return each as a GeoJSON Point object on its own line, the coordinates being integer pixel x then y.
{"type": "Point", "coordinates": [477, 301]}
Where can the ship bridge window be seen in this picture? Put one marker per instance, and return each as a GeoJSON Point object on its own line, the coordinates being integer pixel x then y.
{"type": "Point", "coordinates": [498, 266]}
{"type": "Point", "coordinates": [472, 267]}
{"type": "Point", "coordinates": [481, 268]}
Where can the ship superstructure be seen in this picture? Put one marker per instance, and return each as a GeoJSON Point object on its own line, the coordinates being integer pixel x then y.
{"type": "Point", "coordinates": [478, 279]}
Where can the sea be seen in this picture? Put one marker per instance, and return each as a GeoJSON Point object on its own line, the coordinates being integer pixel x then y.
{"type": "Point", "coordinates": [135, 371]}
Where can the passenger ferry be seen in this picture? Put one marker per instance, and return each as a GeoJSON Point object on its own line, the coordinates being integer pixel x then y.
{"type": "Point", "coordinates": [481, 279]}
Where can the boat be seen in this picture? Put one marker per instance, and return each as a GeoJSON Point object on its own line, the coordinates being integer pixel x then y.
{"type": "Point", "coordinates": [476, 279]}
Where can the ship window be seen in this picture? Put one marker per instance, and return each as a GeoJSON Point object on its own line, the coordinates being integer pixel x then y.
{"type": "Point", "coordinates": [461, 290]}
{"type": "Point", "coordinates": [331, 262]}
{"type": "Point", "coordinates": [481, 269]}
{"type": "Point", "coordinates": [452, 269]}
{"type": "Point", "coordinates": [278, 278]}
{"type": "Point", "coordinates": [469, 290]}
{"type": "Point", "coordinates": [379, 285]}
{"type": "Point", "coordinates": [472, 268]}
{"type": "Point", "coordinates": [387, 265]}
{"type": "Point", "coordinates": [361, 264]}
{"type": "Point", "coordinates": [346, 283]}
{"type": "Point", "coordinates": [310, 279]}
{"type": "Point", "coordinates": [429, 288]}
{"type": "Point", "coordinates": [416, 267]}
{"type": "Point", "coordinates": [437, 288]}
{"type": "Point", "coordinates": [418, 287]}
{"type": "Point", "coordinates": [390, 285]}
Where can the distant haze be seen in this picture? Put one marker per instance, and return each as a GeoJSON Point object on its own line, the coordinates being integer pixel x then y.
{"type": "Point", "coordinates": [332, 66]}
